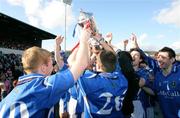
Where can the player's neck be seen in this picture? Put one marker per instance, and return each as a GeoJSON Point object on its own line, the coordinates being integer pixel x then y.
{"type": "Point", "coordinates": [99, 70]}
{"type": "Point", "coordinates": [136, 67]}
{"type": "Point", "coordinates": [34, 71]}
{"type": "Point", "coordinates": [167, 70]}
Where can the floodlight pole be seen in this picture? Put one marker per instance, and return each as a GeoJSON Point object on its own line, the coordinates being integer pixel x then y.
{"type": "Point", "coordinates": [65, 29]}
{"type": "Point", "coordinates": [66, 2]}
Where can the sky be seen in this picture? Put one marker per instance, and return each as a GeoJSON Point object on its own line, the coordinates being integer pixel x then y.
{"type": "Point", "coordinates": [155, 22]}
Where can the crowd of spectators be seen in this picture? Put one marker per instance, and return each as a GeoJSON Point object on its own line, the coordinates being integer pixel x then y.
{"type": "Point", "coordinates": [10, 70]}
{"type": "Point", "coordinates": [15, 44]}
{"type": "Point", "coordinates": [10, 63]}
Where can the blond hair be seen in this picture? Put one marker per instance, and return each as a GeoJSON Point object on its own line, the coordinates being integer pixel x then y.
{"type": "Point", "coordinates": [33, 57]}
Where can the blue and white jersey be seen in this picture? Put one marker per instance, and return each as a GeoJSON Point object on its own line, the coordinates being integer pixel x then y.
{"type": "Point", "coordinates": [35, 95]}
{"type": "Point", "coordinates": [152, 63]}
{"type": "Point", "coordinates": [76, 102]}
{"type": "Point", "coordinates": [167, 88]}
{"type": "Point", "coordinates": [63, 102]}
{"type": "Point", "coordinates": [168, 92]}
{"type": "Point", "coordinates": [64, 56]}
{"type": "Point", "coordinates": [142, 73]}
{"type": "Point", "coordinates": [103, 94]}
{"type": "Point", "coordinates": [76, 94]}
{"type": "Point", "coordinates": [142, 96]}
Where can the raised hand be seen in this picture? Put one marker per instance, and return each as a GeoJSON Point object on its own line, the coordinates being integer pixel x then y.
{"type": "Point", "coordinates": [133, 37]}
{"type": "Point", "coordinates": [109, 37]}
{"type": "Point", "coordinates": [134, 41]}
{"type": "Point", "coordinates": [59, 39]}
{"type": "Point", "coordinates": [58, 58]}
{"type": "Point", "coordinates": [86, 32]}
{"type": "Point", "coordinates": [125, 43]}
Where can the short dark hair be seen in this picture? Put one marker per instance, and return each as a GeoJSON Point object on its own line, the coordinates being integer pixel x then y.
{"type": "Point", "coordinates": [170, 51]}
{"type": "Point", "coordinates": [108, 60]}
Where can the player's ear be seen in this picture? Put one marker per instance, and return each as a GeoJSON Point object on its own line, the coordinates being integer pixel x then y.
{"type": "Point", "coordinates": [172, 60]}
{"type": "Point", "coordinates": [43, 68]}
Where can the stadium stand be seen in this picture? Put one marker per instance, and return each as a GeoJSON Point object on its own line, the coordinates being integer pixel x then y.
{"type": "Point", "coordinates": [16, 33]}
{"type": "Point", "coordinates": [15, 36]}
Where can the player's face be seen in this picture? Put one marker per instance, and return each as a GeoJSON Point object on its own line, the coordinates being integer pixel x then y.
{"type": "Point", "coordinates": [136, 58]}
{"type": "Point", "coordinates": [49, 67]}
{"type": "Point", "coordinates": [164, 60]}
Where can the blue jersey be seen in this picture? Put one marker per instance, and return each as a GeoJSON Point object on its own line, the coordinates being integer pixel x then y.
{"type": "Point", "coordinates": [64, 55]}
{"type": "Point", "coordinates": [142, 96]}
{"type": "Point", "coordinates": [168, 92]}
{"type": "Point", "coordinates": [141, 72]}
{"type": "Point", "coordinates": [35, 95]}
{"type": "Point", "coordinates": [103, 94]}
{"type": "Point", "coordinates": [76, 95]}
{"type": "Point", "coordinates": [63, 102]}
{"type": "Point", "coordinates": [72, 102]}
{"type": "Point", "coordinates": [167, 88]}
{"type": "Point", "coordinates": [76, 102]}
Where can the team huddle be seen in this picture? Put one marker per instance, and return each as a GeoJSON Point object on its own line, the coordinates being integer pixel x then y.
{"type": "Point", "coordinates": [98, 80]}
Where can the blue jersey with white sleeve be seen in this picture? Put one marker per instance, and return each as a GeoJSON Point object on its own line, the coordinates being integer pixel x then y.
{"type": "Point", "coordinates": [103, 94]}
{"type": "Point", "coordinates": [35, 95]}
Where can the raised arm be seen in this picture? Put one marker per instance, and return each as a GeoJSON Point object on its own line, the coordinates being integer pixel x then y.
{"type": "Point", "coordinates": [72, 56]}
{"type": "Point", "coordinates": [151, 62]}
{"type": "Point", "coordinates": [82, 56]}
{"type": "Point", "coordinates": [109, 37]}
{"type": "Point", "coordinates": [105, 45]}
{"type": "Point", "coordinates": [58, 57]}
{"type": "Point", "coordinates": [134, 41]}
{"type": "Point", "coordinates": [125, 42]}
{"type": "Point", "coordinates": [109, 45]}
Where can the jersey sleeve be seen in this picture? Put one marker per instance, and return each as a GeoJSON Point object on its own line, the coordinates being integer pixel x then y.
{"type": "Point", "coordinates": [58, 84]}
